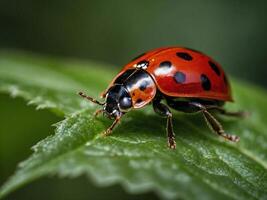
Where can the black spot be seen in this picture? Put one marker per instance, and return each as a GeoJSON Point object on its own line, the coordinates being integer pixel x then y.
{"type": "Point", "coordinates": [139, 100]}
{"type": "Point", "coordinates": [215, 68]}
{"type": "Point", "coordinates": [184, 56]}
{"type": "Point", "coordinates": [166, 64]}
{"type": "Point", "coordinates": [143, 64]}
{"type": "Point", "coordinates": [144, 85]}
{"type": "Point", "coordinates": [133, 94]}
{"type": "Point", "coordinates": [205, 82]}
{"type": "Point", "coordinates": [138, 56]}
{"type": "Point", "coordinates": [179, 77]}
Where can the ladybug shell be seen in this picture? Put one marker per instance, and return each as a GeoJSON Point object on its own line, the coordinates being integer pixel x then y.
{"type": "Point", "coordinates": [182, 72]}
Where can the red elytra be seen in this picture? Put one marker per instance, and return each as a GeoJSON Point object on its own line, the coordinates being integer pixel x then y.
{"type": "Point", "coordinates": [187, 80]}
{"type": "Point", "coordinates": [191, 64]}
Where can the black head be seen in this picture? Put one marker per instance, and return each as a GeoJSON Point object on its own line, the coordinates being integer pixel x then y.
{"type": "Point", "coordinates": [118, 101]}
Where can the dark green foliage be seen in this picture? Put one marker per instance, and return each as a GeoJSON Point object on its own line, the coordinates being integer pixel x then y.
{"type": "Point", "coordinates": [203, 166]}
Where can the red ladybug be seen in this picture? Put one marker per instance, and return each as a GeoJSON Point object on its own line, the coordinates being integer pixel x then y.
{"type": "Point", "coordinates": [187, 81]}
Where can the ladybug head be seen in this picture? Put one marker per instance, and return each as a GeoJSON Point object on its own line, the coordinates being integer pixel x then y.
{"type": "Point", "coordinates": [118, 101]}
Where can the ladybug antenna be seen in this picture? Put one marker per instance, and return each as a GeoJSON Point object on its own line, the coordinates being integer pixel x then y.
{"type": "Point", "coordinates": [83, 95]}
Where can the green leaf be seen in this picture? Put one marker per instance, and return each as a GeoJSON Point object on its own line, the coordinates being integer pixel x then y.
{"type": "Point", "coordinates": [203, 166]}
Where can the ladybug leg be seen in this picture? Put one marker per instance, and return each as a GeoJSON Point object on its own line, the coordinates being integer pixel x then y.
{"type": "Point", "coordinates": [97, 112]}
{"type": "Point", "coordinates": [213, 123]}
{"type": "Point", "coordinates": [225, 112]}
{"type": "Point", "coordinates": [164, 111]}
{"type": "Point", "coordinates": [109, 130]}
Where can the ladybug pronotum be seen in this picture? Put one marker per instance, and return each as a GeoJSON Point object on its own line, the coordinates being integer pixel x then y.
{"type": "Point", "coordinates": [174, 77]}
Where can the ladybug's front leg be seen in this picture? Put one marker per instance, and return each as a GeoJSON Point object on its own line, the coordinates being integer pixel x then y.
{"type": "Point", "coordinates": [109, 130]}
{"type": "Point", "coordinates": [163, 110]}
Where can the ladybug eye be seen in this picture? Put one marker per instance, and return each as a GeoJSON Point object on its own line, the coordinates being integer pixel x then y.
{"type": "Point", "coordinates": [125, 103]}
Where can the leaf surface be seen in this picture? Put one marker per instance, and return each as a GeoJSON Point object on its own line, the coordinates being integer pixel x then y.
{"type": "Point", "coordinates": [203, 166]}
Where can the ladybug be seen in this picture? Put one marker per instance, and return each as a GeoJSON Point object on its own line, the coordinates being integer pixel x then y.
{"type": "Point", "coordinates": [173, 77]}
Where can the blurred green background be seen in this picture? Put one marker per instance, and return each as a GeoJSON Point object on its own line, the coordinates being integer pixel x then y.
{"type": "Point", "coordinates": [233, 32]}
